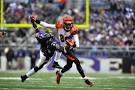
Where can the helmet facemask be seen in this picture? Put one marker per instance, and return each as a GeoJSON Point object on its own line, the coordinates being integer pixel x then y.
{"type": "Point", "coordinates": [68, 23]}
{"type": "Point", "coordinates": [68, 26]}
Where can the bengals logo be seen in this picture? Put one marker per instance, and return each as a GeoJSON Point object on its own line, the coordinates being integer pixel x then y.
{"type": "Point", "coordinates": [2, 34]}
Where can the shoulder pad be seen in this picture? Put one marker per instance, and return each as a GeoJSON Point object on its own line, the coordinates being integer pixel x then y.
{"type": "Point", "coordinates": [59, 24]}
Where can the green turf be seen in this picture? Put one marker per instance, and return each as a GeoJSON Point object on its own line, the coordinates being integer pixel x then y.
{"type": "Point", "coordinates": [46, 81]}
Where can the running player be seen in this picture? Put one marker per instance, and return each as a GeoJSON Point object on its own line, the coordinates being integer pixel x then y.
{"type": "Point", "coordinates": [47, 50]}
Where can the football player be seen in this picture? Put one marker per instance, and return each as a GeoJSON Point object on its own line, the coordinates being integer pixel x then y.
{"type": "Point", "coordinates": [68, 37]}
{"type": "Point", "coordinates": [71, 58]}
{"type": "Point", "coordinates": [47, 50]}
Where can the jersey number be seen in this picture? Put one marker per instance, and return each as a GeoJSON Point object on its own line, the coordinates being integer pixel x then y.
{"type": "Point", "coordinates": [62, 38]}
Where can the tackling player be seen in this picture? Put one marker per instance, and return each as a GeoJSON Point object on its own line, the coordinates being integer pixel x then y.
{"type": "Point", "coordinates": [48, 48]}
{"type": "Point", "coordinates": [65, 29]}
{"type": "Point", "coordinates": [68, 38]}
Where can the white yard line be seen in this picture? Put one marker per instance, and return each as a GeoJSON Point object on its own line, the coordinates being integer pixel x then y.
{"type": "Point", "coordinates": [17, 78]}
{"type": "Point", "coordinates": [123, 77]}
{"type": "Point", "coordinates": [107, 88]}
{"type": "Point", "coordinates": [4, 88]}
{"type": "Point", "coordinates": [21, 89]}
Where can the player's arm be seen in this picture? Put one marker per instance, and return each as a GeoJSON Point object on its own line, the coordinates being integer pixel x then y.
{"type": "Point", "coordinates": [34, 25]}
{"type": "Point", "coordinates": [58, 47]}
{"type": "Point", "coordinates": [74, 42]}
{"type": "Point", "coordinates": [74, 33]}
{"type": "Point", "coordinates": [76, 38]}
{"type": "Point", "coordinates": [45, 24]}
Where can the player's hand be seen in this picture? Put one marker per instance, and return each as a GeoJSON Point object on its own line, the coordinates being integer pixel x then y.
{"type": "Point", "coordinates": [33, 18]}
{"type": "Point", "coordinates": [69, 48]}
{"type": "Point", "coordinates": [61, 48]}
{"type": "Point", "coordinates": [70, 43]}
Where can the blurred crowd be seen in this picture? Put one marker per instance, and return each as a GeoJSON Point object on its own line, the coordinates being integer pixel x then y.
{"type": "Point", "coordinates": [112, 23]}
{"type": "Point", "coordinates": [18, 11]}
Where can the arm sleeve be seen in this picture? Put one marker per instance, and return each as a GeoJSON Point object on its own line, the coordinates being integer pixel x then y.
{"type": "Point", "coordinates": [76, 38]}
{"type": "Point", "coordinates": [47, 25]}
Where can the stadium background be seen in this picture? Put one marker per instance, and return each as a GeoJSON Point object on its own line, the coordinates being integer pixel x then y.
{"type": "Point", "coordinates": [107, 31]}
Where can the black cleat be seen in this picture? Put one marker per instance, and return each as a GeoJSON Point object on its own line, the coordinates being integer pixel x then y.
{"type": "Point", "coordinates": [56, 65]}
{"type": "Point", "coordinates": [88, 82]}
{"type": "Point", "coordinates": [58, 77]}
{"type": "Point", "coordinates": [23, 78]}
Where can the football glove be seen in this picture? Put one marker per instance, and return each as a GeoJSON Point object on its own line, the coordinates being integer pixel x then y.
{"type": "Point", "coordinates": [33, 18]}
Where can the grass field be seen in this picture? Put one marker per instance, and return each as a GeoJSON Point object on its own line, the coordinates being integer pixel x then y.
{"type": "Point", "coordinates": [10, 80]}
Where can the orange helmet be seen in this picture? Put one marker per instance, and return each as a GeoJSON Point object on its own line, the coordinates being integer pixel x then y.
{"type": "Point", "coordinates": [67, 18]}
{"type": "Point", "coordinates": [68, 22]}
